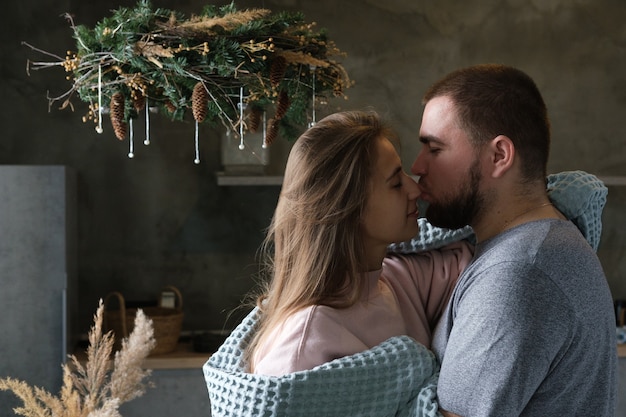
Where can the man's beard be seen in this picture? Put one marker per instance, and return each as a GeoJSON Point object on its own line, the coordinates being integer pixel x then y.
{"type": "Point", "coordinates": [463, 209]}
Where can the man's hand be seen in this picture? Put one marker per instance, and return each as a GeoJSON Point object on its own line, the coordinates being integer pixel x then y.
{"type": "Point", "coordinates": [448, 414]}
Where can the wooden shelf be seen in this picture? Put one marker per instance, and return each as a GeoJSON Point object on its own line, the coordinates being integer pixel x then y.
{"type": "Point", "coordinates": [243, 180]}
{"type": "Point", "coordinates": [265, 180]}
{"type": "Point", "coordinates": [184, 357]}
{"type": "Point", "coordinates": [621, 350]}
{"type": "Point", "coordinates": [618, 181]}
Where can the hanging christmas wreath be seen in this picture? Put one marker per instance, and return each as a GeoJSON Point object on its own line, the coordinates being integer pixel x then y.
{"type": "Point", "coordinates": [222, 66]}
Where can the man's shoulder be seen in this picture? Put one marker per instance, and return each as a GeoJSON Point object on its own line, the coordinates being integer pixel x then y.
{"type": "Point", "coordinates": [520, 261]}
{"type": "Point", "coordinates": [532, 238]}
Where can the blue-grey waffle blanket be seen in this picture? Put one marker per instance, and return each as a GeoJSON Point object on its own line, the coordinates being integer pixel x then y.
{"type": "Point", "coordinates": [395, 378]}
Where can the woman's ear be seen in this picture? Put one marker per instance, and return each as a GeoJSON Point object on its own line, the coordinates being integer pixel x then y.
{"type": "Point", "coordinates": [502, 155]}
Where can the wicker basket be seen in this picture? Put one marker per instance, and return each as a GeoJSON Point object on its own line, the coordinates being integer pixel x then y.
{"type": "Point", "coordinates": [167, 322]}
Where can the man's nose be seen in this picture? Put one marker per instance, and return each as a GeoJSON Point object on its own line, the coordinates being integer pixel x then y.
{"type": "Point", "coordinates": [418, 167]}
{"type": "Point", "coordinates": [414, 191]}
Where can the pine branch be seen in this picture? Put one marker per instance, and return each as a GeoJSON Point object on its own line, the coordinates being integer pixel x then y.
{"type": "Point", "coordinates": [161, 55]}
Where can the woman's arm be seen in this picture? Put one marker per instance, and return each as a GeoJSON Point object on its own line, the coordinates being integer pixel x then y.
{"type": "Point", "coordinates": [425, 280]}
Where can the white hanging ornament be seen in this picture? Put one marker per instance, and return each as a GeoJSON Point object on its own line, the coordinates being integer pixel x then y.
{"type": "Point", "coordinates": [264, 146]}
{"type": "Point", "coordinates": [197, 160]}
{"type": "Point", "coordinates": [313, 121]}
{"type": "Point", "coordinates": [242, 146]}
{"type": "Point", "coordinates": [147, 112]}
{"type": "Point", "coordinates": [99, 127]}
{"type": "Point", "coordinates": [131, 153]}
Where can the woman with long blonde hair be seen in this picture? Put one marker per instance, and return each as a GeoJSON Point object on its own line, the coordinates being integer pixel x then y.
{"type": "Point", "coordinates": [332, 289]}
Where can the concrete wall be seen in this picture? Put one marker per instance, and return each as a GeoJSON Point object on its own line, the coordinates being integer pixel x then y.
{"type": "Point", "coordinates": [159, 219]}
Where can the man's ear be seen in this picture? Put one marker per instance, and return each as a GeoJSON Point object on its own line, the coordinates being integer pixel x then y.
{"type": "Point", "coordinates": [502, 155]}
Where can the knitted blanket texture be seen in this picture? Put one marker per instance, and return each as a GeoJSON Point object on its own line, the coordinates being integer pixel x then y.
{"type": "Point", "coordinates": [395, 378]}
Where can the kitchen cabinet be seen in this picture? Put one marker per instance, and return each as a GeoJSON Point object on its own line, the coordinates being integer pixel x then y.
{"type": "Point", "coordinates": [37, 274]}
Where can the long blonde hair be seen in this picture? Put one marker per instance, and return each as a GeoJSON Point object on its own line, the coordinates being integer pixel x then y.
{"type": "Point", "coordinates": [313, 249]}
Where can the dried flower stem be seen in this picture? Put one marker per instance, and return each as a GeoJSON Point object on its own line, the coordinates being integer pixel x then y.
{"type": "Point", "coordinates": [93, 390]}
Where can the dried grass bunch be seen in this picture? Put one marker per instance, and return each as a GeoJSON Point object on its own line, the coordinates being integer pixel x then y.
{"type": "Point", "coordinates": [95, 389]}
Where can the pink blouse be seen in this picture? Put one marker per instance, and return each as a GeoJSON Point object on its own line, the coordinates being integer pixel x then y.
{"type": "Point", "coordinates": [406, 297]}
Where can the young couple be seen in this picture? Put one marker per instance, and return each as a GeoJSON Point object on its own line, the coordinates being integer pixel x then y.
{"type": "Point", "coordinates": [521, 321]}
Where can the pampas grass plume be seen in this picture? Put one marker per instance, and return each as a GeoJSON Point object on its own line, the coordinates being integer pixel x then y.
{"type": "Point", "coordinates": [99, 387]}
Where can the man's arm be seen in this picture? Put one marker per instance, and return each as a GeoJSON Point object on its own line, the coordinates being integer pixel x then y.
{"type": "Point", "coordinates": [448, 414]}
{"type": "Point", "coordinates": [495, 334]}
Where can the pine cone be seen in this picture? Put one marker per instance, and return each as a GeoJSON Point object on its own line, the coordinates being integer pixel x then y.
{"type": "Point", "coordinates": [170, 106]}
{"type": "Point", "coordinates": [272, 131]}
{"type": "Point", "coordinates": [199, 102]}
{"type": "Point", "coordinates": [120, 127]}
{"type": "Point", "coordinates": [139, 101]}
{"type": "Point", "coordinates": [255, 119]}
{"type": "Point", "coordinates": [278, 70]}
{"type": "Point", "coordinates": [282, 105]}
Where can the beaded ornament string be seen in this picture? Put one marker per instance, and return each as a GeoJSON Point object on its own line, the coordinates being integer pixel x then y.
{"type": "Point", "coordinates": [147, 112]}
{"type": "Point", "coordinates": [313, 121]}
{"type": "Point", "coordinates": [131, 151]}
{"type": "Point", "coordinates": [99, 127]}
{"type": "Point", "coordinates": [197, 146]}
{"type": "Point", "coordinates": [241, 109]}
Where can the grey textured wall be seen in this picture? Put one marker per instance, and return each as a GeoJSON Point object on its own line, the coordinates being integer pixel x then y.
{"type": "Point", "coordinates": [159, 219]}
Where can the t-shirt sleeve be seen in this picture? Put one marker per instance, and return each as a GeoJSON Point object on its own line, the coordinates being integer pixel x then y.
{"type": "Point", "coordinates": [500, 350]}
{"type": "Point", "coordinates": [428, 278]}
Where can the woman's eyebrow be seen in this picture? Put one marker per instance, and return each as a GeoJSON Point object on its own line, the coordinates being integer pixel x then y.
{"type": "Point", "coordinates": [395, 172]}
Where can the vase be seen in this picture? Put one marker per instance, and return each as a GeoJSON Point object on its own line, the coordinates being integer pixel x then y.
{"type": "Point", "coordinates": [247, 157]}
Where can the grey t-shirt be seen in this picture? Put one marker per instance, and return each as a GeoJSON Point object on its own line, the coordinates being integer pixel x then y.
{"type": "Point", "coordinates": [529, 330]}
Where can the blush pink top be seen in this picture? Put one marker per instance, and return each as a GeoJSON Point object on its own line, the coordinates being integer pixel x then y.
{"type": "Point", "coordinates": [405, 297]}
